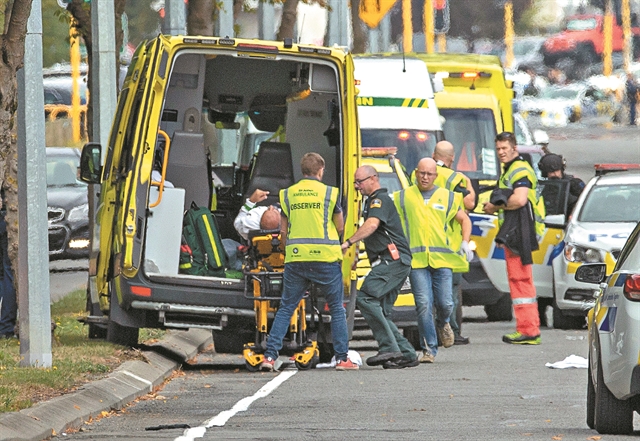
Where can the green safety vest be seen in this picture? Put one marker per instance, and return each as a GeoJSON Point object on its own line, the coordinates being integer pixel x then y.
{"type": "Point", "coordinates": [312, 235]}
{"type": "Point", "coordinates": [518, 170]}
{"type": "Point", "coordinates": [427, 227]}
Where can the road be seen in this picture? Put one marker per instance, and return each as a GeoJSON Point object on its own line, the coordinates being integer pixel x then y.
{"type": "Point", "coordinates": [584, 146]}
{"type": "Point", "coordinates": [486, 390]}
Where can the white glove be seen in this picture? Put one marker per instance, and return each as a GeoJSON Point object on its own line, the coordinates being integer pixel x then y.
{"type": "Point", "coordinates": [466, 249]}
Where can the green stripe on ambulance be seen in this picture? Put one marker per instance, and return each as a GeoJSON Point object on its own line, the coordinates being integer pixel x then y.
{"type": "Point", "coordinates": [392, 102]}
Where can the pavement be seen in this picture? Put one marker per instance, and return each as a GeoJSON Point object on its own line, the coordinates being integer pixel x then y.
{"type": "Point", "coordinates": [130, 381]}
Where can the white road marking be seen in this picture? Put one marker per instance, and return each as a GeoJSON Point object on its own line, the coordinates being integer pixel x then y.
{"type": "Point", "coordinates": [241, 406]}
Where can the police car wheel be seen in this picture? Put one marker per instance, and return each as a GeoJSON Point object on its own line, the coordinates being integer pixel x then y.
{"type": "Point", "coordinates": [611, 416]}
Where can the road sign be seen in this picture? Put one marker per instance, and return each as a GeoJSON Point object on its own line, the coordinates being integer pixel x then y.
{"type": "Point", "coordinates": [372, 11]}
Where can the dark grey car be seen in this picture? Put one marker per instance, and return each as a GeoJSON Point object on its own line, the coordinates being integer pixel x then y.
{"type": "Point", "coordinates": [67, 203]}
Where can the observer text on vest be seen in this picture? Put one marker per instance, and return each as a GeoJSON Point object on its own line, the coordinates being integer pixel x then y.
{"type": "Point", "coordinates": [306, 206]}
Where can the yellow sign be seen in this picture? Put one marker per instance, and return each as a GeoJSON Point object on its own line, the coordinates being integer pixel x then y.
{"type": "Point", "coordinates": [372, 11]}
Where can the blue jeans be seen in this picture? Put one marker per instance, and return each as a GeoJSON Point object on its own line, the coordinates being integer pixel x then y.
{"type": "Point", "coordinates": [429, 285]}
{"type": "Point", "coordinates": [297, 277]}
{"type": "Point", "coordinates": [8, 304]}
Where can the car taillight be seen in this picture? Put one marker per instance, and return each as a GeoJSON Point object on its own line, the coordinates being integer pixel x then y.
{"type": "Point", "coordinates": [632, 287]}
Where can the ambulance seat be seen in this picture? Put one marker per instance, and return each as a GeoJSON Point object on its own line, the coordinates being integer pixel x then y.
{"type": "Point", "coordinates": [272, 170]}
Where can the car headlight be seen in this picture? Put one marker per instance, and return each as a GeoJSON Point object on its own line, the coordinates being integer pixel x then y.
{"type": "Point", "coordinates": [81, 212]}
{"type": "Point", "coordinates": [577, 253]}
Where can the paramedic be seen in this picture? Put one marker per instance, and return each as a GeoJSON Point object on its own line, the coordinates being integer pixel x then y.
{"type": "Point", "coordinates": [252, 217]}
{"type": "Point", "coordinates": [427, 213]}
{"type": "Point", "coordinates": [444, 154]}
{"type": "Point", "coordinates": [390, 258]}
{"type": "Point", "coordinates": [518, 177]}
{"type": "Point", "coordinates": [310, 228]}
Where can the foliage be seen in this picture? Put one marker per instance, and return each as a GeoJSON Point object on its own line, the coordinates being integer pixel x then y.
{"type": "Point", "coordinates": [55, 34]}
{"type": "Point", "coordinates": [76, 359]}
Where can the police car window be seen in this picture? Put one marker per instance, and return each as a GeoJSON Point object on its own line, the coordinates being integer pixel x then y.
{"type": "Point", "coordinates": [611, 203]}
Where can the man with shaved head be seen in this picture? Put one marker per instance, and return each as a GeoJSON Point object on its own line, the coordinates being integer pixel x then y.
{"type": "Point", "coordinates": [388, 252]}
{"type": "Point", "coordinates": [452, 180]}
{"type": "Point", "coordinates": [252, 217]}
{"type": "Point", "coordinates": [427, 213]}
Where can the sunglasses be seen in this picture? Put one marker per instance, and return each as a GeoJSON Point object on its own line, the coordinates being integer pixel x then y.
{"type": "Point", "coordinates": [505, 136]}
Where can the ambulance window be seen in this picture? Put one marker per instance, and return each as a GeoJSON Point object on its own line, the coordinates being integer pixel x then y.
{"type": "Point", "coordinates": [130, 134]}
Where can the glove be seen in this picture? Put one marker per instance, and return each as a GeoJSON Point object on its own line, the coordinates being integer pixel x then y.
{"type": "Point", "coordinates": [466, 249]}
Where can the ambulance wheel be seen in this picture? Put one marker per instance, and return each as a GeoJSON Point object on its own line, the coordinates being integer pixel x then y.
{"type": "Point", "coordinates": [326, 352]}
{"type": "Point", "coordinates": [122, 335]}
{"type": "Point", "coordinates": [306, 366]}
{"type": "Point", "coordinates": [500, 311]}
{"type": "Point", "coordinates": [413, 336]}
{"type": "Point", "coordinates": [250, 367]}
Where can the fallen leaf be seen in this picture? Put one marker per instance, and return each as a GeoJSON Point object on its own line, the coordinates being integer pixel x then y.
{"type": "Point", "coordinates": [557, 437]}
{"type": "Point", "coordinates": [594, 438]}
{"type": "Point", "coordinates": [76, 406]}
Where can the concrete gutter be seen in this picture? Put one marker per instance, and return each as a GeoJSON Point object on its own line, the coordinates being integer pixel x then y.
{"type": "Point", "coordinates": [130, 381]}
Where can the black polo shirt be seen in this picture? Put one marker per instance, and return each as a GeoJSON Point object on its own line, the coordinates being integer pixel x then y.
{"type": "Point", "coordinates": [380, 206]}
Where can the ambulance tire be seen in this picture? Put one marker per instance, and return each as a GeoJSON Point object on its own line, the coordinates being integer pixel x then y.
{"type": "Point", "coordinates": [563, 321]}
{"type": "Point", "coordinates": [122, 335]}
{"type": "Point", "coordinates": [501, 311]}
{"type": "Point", "coordinates": [413, 335]}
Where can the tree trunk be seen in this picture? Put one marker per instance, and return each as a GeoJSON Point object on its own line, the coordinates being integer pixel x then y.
{"type": "Point", "coordinates": [12, 47]}
{"type": "Point", "coordinates": [288, 22]}
{"type": "Point", "coordinates": [200, 17]}
{"type": "Point", "coordinates": [359, 29]}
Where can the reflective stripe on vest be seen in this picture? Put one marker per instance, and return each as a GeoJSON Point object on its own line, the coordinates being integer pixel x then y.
{"type": "Point", "coordinates": [308, 239]}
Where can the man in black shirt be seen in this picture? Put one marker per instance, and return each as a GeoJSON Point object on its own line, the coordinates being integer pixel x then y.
{"type": "Point", "coordinates": [390, 258]}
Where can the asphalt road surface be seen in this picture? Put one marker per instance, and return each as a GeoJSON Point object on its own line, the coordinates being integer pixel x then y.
{"type": "Point", "coordinates": [486, 390]}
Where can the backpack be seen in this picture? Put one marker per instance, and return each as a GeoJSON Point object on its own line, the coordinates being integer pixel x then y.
{"type": "Point", "coordinates": [201, 251]}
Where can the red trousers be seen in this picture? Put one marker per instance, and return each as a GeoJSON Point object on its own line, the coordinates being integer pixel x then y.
{"type": "Point", "coordinates": [523, 295]}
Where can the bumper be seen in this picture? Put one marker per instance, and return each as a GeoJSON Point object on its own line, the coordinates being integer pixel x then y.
{"type": "Point", "coordinates": [572, 297]}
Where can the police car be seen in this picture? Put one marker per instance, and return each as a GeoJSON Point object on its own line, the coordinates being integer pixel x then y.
{"type": "Point", "coordinates": [613, 390]}
{"type": "Point", "coordinates": [605, 214]}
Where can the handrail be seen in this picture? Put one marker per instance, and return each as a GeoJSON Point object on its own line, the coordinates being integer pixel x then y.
{"type": "Point", "coordinates": [160, 184]}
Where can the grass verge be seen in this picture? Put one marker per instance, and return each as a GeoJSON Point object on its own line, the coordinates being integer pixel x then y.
{"type": "Point", "coordinates": [76, 359]}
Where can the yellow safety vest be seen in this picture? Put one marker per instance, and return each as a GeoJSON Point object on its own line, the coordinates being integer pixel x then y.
{"type": "Point", "coordinates": [450, 179]}
{"type": "Point", "coordinates": [518, 170]}
{"type": "Point", "coordinates": [312, 236]}
{"type": "Point", "coordinates": [426, 227]}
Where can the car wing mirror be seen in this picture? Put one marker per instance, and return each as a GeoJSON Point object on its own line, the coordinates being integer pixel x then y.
{"type": "Point", "coordinates": [90, 163]}
{"type": "Point", "coordinates": [555, 221]}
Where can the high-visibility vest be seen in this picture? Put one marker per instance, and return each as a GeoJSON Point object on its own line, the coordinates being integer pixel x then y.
{"type": "Point", "coordinates": [312, 236]}
{"type": "Point", "coordinates": [426, 227]}
{"type": "Point", "coordinates": [450, 179]}
{"type": "Point", "coordinates": [518, 170]}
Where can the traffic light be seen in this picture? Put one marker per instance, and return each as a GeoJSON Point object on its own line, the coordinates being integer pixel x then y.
{"type": "Point", "coordinates": [441, 19]}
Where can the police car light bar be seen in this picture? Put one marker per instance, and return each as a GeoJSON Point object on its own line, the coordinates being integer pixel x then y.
{"type": "Point", "coordinates": [379, 151]}
{"type": "Point", "coordinates": [602, 169]}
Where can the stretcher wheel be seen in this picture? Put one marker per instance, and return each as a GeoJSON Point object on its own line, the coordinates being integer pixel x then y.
{"type": "Point", "coordinates": [306, 366]}
{"type": "Point", "coordinates": [250, 367]}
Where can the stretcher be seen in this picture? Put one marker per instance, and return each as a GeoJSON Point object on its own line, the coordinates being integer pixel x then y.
{"type": "Point", "coordinates": [263, 270]}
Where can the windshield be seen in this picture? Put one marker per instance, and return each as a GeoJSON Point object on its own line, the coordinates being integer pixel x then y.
{"type": "Point", "coordinates": [390, 181]}
{"type": "Point", "coordinates": [612, 203]}
{"type": "Point", "coordinates": [412, 145]}
{"type": "Point", "coordinates": [559, 92]}
{"type": "Point", "coordinates": [62, 171]}
{"type": "Point", "coordinates": [472, 133]}
{"type": "Point", "coordinates": [581, 24]}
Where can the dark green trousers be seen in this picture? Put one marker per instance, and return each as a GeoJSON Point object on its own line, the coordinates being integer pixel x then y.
{"type": "Point", "coordinates": [375, 301]}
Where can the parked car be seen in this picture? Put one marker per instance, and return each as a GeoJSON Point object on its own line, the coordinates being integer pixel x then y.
{"type": "Point", "coordinates": [613, 382]}
{"type": "Point", "coordinates": [557, 106]}
{"type": "Point", "coordinates": [605, 214]}
{"type": "Point", "coordinates": [67, 205]}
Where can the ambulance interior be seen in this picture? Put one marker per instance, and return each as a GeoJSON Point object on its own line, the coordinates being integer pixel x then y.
{"type": "Point", "coordinates": [235, 124]}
